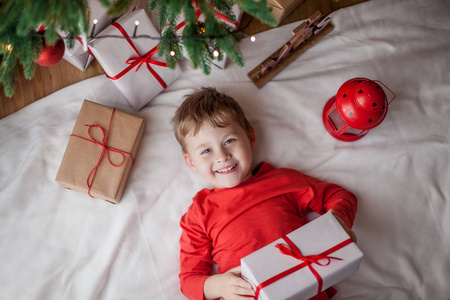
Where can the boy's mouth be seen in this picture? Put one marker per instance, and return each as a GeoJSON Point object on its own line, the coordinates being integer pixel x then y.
{"type": "Point", "coordinates": [226, 170]}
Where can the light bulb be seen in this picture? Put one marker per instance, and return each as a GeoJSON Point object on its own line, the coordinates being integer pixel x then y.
{"type": "Point", "coordinates": [252, 38]}
{"type": "Point", "coordinates": [216, 53]}
{"type": "Point", "coordinates": [136, 23]}
{"type": "Point", "coordinates": [172, 53]}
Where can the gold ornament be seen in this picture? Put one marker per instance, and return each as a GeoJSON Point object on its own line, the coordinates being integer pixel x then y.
{"type": "Point", "coordinates": [201, 27]}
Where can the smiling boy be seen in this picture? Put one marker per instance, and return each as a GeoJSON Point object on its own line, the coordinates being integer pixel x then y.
{"type": "Point", "coordinates": [247, 209]}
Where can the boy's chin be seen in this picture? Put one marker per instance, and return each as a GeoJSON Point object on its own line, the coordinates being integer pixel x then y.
{"type": "Point", "coordinates": [230, 183]}
{"type": "Point", "coordinates": [226, 185]}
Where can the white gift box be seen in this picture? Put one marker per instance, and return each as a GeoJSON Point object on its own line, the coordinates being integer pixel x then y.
{"type": "Point", "coordinates": [238, 13]}
{"type": "Point", "coordinates": [277, 276]}
{"type": "Point", "coordinates": [133, 64]}
{"type": "Point", "coordinates": [78, 56]}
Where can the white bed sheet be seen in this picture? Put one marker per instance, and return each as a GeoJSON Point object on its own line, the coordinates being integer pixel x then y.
{"type": "Point", "coordinates": [59, 244]}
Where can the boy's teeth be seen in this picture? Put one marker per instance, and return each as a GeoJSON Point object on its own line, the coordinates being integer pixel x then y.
{"type": "Point", "coordinates": [227, 169]}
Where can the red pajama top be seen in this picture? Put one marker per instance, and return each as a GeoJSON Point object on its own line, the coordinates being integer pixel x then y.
{"type": "Point", "coordinates": [224, 225]}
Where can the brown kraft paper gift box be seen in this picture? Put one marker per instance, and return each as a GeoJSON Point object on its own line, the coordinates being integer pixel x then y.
{"type": "Point", "coordinates": [81, 161]}
{"type": "Point", "coordinates": [282, 8]}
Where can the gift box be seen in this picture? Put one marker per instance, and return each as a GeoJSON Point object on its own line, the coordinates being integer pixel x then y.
{"type": "Point", "coordinates": [81, 56]}
{"type": "Point", "coordinates": [101, 151]}
{"type": "Point", "coordinates": [282, 8]}
{"type": "Point", "coordinates": [132, 63]}
{"type": "Point", "coordinates": [233, 25]}
{"type": "Point", "coordinates": [304, 262]}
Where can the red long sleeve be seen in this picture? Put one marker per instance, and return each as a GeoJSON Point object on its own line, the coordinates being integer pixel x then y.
{"type": "Point", "coordinates": [224, 225]}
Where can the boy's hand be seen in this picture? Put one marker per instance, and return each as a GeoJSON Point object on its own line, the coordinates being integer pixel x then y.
{"type": "Point", "coordinates": [228, 285]}
{"type": "Point", "coordinates": [346, 228]}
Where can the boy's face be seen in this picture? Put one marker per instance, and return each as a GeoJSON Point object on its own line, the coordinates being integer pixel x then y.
{"type": "Point", "coordinates": [222, 156]}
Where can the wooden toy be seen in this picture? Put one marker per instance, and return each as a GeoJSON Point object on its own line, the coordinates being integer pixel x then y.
{"type": "Point", "coordinates": [304, 37]}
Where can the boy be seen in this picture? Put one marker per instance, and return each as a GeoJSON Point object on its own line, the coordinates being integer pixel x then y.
{"type": "Point", "coordinates": [246, 209]}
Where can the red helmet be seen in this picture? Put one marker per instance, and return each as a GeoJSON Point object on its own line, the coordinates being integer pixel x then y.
{"type": "Point", "coordinates": [361, 103]}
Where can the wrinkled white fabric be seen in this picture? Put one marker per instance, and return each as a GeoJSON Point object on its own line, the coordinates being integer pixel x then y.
{"type": "Point", "coordinates": [59, 244]}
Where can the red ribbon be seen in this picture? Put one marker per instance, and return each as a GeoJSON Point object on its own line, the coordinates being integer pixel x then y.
{"type": "Point", "coordinates": [141, 59]}
{"type": "Point", "coordinates": [198, 12]}
{"type": "Point", "coordinates": [219, 15]}
{"type": "Point", "coordinates": [293, 251]}
{"type": "Point", "coordinates": [105, 149]}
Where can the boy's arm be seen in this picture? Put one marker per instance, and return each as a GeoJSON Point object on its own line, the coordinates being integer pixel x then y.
{"type": "Point", "coordinates": [329, 196]}
{"type": "Point", "coordinates": [195, 268]}
{"type": "Point", "coordinates": [195, 257]}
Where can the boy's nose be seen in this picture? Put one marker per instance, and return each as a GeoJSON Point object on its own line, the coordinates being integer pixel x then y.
{"type": "Point", "coordinates": [222, 156]}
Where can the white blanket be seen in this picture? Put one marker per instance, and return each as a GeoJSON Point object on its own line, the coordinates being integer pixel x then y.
{"type": "Point", "coordinates": [59, 244]}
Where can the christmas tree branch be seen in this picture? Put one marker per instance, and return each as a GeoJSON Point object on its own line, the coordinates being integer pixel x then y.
{"type": "Point", "coordinates": [203, 41]}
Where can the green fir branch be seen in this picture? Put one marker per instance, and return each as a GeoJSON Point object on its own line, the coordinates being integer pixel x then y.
{"type": "Point", "coordinates": [116, 8]}
{"type": "Point", "coordinates": [170, 42]}
{"type": "Point", "coordinates": [259, 9]}
{"type": "Point", "coordinates": [224, 7]}
{"type": "Point", "coordinates": [21, 18]}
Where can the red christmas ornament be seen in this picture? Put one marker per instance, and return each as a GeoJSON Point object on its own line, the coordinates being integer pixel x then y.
{"type": "Point", "coordinates": [51, 54]}
{"type": "Point", "coordinates": [359, 105]}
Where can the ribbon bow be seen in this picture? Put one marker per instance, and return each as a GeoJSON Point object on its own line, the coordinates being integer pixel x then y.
{"type": "Point", "coordinates": [105, 149]}
{"type": "Point", "coordinates": [292, 250]}
{"type": "Point", "coordinates": [139, 60]}
{"type": "Point", "coordinates": [146, 58]}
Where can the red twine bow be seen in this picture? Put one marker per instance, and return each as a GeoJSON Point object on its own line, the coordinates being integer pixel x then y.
{"type": "Point", "coordinates": [105, 149]}
{"type": "Point", "coordinates": [292, 250]}
{"type": "Point", "coordinates": [141, 59]}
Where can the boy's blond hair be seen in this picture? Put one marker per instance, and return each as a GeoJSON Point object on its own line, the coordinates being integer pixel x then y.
{"type": "Point", "coordinates": [206, 105]}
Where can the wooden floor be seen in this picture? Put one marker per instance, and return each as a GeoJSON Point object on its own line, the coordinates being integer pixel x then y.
{"type": "Point", "coordinates": [50, 79]}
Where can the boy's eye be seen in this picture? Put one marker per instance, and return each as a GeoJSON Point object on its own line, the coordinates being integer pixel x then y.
{"type": "Point", "coordinates": [206, 151]}
{"type": "Point", "coordinates": [229, 141]}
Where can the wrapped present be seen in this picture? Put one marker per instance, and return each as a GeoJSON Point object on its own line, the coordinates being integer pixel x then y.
{"type": "Point", "coordinates": [302, 263]}
{"type": "Point", "coordinates": [238, 13]}
{"type": "Point", "coordinates": [101, 151]}
{"type": "Point", "coordinates": [133, 63]}
{"type": "Point", "coordinates": [80, 55]}
{"type": "Point", "coordinates": [282, 8]}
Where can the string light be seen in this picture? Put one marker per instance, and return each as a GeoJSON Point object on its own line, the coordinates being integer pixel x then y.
{"type": "Point", "coordinates": [172, 53]}
{"type": "Point", "coordinates": [9, 47]}
{"type": "Point", "coordinates": [174, 39]}
{"type": "Point", "coordinates": [95, 21]}
{"type": "Point", "coordinates": [216, 53]}
{"type": "Point", "coordinates": [136, 23]}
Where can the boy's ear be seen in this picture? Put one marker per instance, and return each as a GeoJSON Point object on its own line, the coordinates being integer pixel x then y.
{"type": "Point", "coordinates": [252, 137]}
{"type": "Point", "coordinates": [189, 162]}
